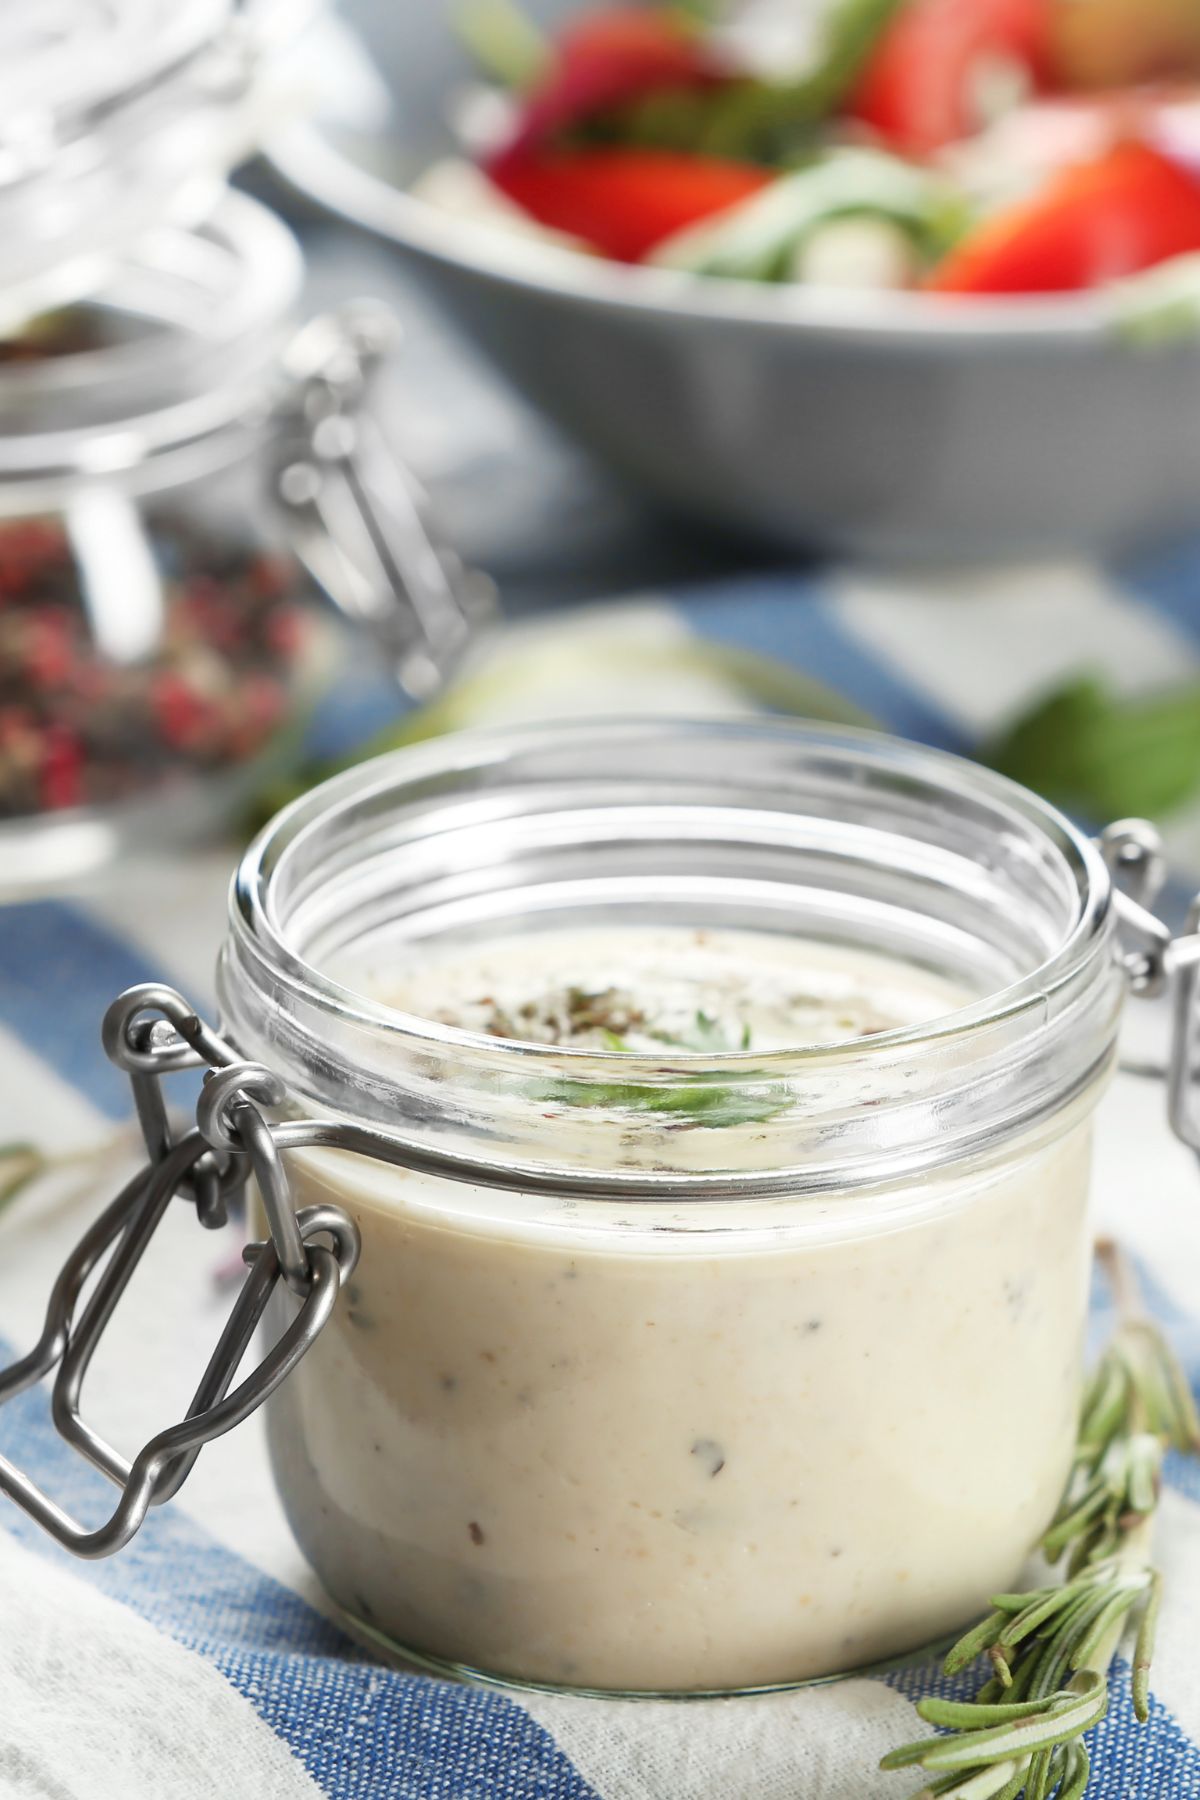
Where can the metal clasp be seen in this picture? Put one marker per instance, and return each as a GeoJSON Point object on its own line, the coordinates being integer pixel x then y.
{"type": "Point", "coordinates": [359, 519]}
{"type": "Point", "coordinates": [1156, 962]}
{"type": "Point", "coordinates": [151, 1032]}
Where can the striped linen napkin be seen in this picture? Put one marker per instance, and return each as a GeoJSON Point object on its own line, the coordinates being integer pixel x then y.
{"type": "Point", "coordinates": [201, 1662]}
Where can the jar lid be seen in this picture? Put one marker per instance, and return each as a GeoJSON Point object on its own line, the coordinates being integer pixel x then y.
{"type": "Point", "coordinates": [115, 115]}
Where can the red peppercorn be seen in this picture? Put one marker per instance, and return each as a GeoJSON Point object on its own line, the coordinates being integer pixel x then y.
{"type": "Point", "coordinates": [77, 729]}
{"type": "Point", "coordinates": [49, 649]}
{"type": "Point", "coordinates": [60, 777]}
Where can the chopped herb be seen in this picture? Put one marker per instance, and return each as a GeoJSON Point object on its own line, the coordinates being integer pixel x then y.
{"type": "Point", "coordinates": [701, 1100]}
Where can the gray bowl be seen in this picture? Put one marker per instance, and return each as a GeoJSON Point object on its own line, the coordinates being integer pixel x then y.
{"type": "Point", "coordinates": [882, 425]}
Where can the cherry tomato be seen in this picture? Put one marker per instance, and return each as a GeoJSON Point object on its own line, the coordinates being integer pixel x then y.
{"type": "Point", "coordinates": [923, 83]}
{"type": "Point", "coordinates": [1124, 211]}
{"type": "Point", "coordinates": [623, 202]}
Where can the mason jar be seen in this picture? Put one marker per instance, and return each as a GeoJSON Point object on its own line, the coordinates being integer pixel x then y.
{"type": "Point", "coordinates": [731, 1358]}
{"type": "Point", "coordinates": [184, 473]}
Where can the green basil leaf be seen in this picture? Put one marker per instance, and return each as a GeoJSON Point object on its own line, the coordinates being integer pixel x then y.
{"type": "Point", "coordinates": [1097, 754]}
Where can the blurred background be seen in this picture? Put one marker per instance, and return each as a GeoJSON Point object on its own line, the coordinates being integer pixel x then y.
{"type": "Point", "coordinates": [372, 370]}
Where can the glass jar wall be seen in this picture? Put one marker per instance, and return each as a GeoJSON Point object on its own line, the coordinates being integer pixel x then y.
{"type": "Point", "coordinates": [725, 1330]}
{"type": "Point", "coordinates": [157, 641]}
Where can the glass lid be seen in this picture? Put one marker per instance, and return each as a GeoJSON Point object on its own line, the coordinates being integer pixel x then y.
{"type": "Point", "coordinates": [115, 115]}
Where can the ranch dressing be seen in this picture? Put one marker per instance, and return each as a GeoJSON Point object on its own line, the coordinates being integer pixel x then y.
{"type": "Point", "coordinates": [681, 1446]}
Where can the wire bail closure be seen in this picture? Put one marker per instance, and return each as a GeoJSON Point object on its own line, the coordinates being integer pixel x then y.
{"type": "Point", "coordinates": [151, 1032]}
{"type": "Point", "coordinates": [1157, 963]}
{"type": "Point", "coordinates": [358, 517]}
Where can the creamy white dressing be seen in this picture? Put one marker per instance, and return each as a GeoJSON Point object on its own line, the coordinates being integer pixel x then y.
{"type": "Point", "coordinates": [698, 990]}
{"type": "Point", "coordinates": [684, 1446]}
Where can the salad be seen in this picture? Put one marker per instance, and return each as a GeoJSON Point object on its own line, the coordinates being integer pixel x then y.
{"type": "Point", "coordinates": [972, 147]}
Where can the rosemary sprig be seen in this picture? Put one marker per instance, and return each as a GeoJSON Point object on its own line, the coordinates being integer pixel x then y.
{"type": "Point", "coordinates": [1049, 1649]}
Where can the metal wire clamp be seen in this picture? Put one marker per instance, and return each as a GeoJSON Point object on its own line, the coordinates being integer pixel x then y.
{"type": "Point", "coordinates": [150, 1032]}
{"type": "Point", "coordinates": [1156, 962]}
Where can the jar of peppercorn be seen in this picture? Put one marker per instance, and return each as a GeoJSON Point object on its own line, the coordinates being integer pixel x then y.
{"type": "Point", "coordinates": [182, 471]}
{"type": "Point", "coordinates": [177, 465]}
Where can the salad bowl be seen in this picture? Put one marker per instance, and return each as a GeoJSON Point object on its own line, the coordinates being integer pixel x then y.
{"type": "Point", "coordinates": [915, 425]}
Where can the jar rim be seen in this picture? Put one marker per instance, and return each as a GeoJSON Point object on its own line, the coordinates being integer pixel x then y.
{"type": "Point", "coordinates": [252, 917]}
{"type": "Point", "coordinates": [822, 833]}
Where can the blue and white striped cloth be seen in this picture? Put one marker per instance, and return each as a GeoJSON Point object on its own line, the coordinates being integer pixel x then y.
{"type": "Point", "coordinates": [201, 1662]}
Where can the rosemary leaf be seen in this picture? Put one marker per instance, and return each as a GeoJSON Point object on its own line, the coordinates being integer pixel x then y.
{"type": "Point", "coordinates": [1044, 1604]}
{"type": "Point", "coordinates": [1068, 1529]}
{"type": "Point", "coordinates": [985, 1784]}
{"type": "Point", "coordinates": [904, 1756]}
{"type": "Point", "coordinates": [1075, 1775]}
{"type": "Point", "coordinates": [1081, 1707]}
{"type": "Point", "coordinates": [1015, 1783]}
{"type": "Point", "coordinates": [1038, 1775]}
{"type": "Point", "coordinates": [958, 1714]}
{"type": "Point", "coordinates": [1105, 1620]}
{"type": "Point", "coordinates": [975, 1642]}
{"type": "Point", "coordinates": [1143, 1650]}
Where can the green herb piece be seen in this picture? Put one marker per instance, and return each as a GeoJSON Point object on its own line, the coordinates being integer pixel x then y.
{"type": "Point", "coordinates": [1105, 757]}
{"type": "Point", "coordinates": [700, 1100]}
{"type": "Point", "coordinates": [504, 41]}
{"type": "Point", "coordinates": [704, 1099]}
{"type": "Point", "coordinates": [1055, 1644]}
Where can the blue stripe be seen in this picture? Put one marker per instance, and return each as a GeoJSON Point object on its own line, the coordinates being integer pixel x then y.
{"type": "Point", "coordinates": [59, 968]}
{"type": "Point", "coordinates": [1168, 581]}
{"type": "Point", "coordinates": [789, 618]}
{"type": "Point", "coordinates": [353, 712]}
{"type": "Point", "coordinates": [363, 1732]}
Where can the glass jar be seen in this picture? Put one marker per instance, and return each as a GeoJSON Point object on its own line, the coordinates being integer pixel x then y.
{"type": "Point", "coordinates": [173, 453]}
{"type": "Point", "coordinates": [703, 1369]}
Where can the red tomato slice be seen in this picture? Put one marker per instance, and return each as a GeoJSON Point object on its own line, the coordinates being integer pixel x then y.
{"type": "Point", "coordinates": [920, 88]}
{"type": "Point", "coordinates": [623, 202]}
{"type": "Point", "coordinates": [608, 57]}
{"type": "Point", "coordinates": [1127, 210]}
